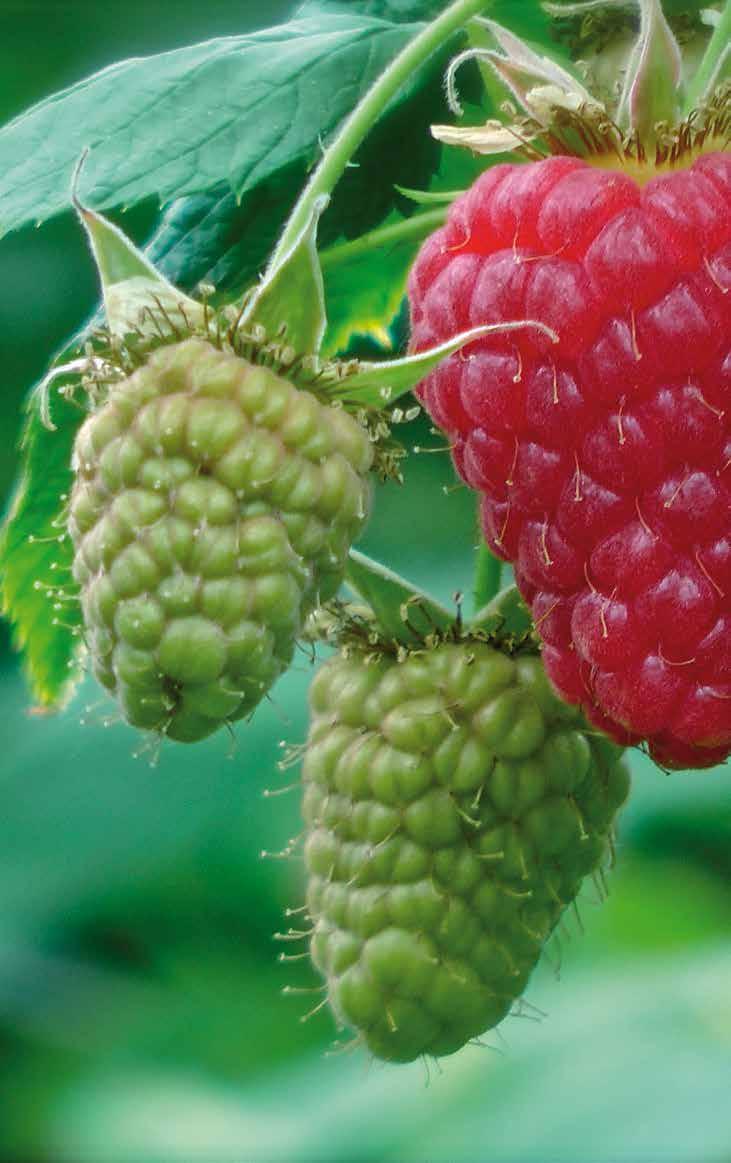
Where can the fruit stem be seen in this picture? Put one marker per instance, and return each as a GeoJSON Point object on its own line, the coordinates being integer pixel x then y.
{"type": "Point", "coordinates": [366, 113]}
{"type": "Point", "coordinates": [411, 229]}
{"type": "Point", "coordinates": [715, 50]}
{"type": "Point", "coordinates": [488, 571]}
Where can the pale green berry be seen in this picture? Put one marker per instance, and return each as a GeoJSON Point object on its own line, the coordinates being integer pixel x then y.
{"type": "Point", "coordinates": [214, 505]}
{"type": "Point", "coordinates": [453, 805]}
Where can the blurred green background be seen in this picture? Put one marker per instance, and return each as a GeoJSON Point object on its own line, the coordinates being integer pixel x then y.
{"type": "Point", "coordinates": [141, 1015]}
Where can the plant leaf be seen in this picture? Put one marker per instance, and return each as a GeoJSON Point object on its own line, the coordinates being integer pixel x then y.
{"type": "Point", "coordinates": [365, 279]}
{"type": "Point", "coordinates": [35, 557]}
{"type": "Point", "coordinates": [233, 110]}
{"type": "Point", "coordinates": [397, 11]}
{"type": "Point", "coordinates": [212, 237]}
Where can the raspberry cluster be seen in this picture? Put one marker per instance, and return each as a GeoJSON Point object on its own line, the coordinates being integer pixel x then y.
{"type": "Point", "coordinates": [214, 505]}
{"type": "Point", "coordinates": [453, 805]}
{"type": "Point", "coordinates": [604, 461]}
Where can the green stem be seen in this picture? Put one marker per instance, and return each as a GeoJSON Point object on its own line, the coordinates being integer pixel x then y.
{"type": "Point", "coordinates": [366, 113]}
{"type": "Point", "coordinates": [488, 570]}
{"type": "Point", "coordinates": [715, 48]}
{"type": "Point", "coordinates": [411, 229]}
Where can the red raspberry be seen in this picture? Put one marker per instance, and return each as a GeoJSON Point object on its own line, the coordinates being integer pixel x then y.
{"type": "Point", "coordinates": [604, 462]}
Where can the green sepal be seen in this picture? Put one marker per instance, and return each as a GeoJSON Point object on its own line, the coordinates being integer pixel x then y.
{"type": "Point", "coordinates": [289, 303]}
{"type": "Point", "coordinates": [117, 258]}
{"type": "Point", "coordinates": [653, 87]}
{"type": "Point", "coordinates": [137, 297]}
{"type": "Point", "coordinates": [403, 613]}
{"type": "Point", "coordinates": [376, 385]}
{"type": "Point", "coordinates": [522, 70]}
{"type": "Point", "coordinates": [430, 197]}
{"type": "Point", "coordinates": [506, 613]}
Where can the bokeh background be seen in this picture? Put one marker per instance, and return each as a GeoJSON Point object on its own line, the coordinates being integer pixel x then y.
{"type": "Point", "coordinates": [141, 1014]}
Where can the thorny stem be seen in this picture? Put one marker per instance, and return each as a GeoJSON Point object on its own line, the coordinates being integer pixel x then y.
{"type": "Point", "coordinates": [715, 49]}
{"type": "Point", "coordinates": [366, 113]}
{"type": "Point", "coordinates": [488, 571]}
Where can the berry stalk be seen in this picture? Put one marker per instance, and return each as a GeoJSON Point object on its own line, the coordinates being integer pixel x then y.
{"type": "Point", "coordinates": [488, 572]}
{"type": "Point", "coordinates": [717, 54]}
{"type": "Point", "coordinates": [417, 227]}
{"type": "Point", "coordinates": [364, 116]}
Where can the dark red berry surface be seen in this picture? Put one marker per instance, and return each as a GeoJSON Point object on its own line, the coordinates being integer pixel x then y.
{"type": "Point", "coordinates": [604, 460]}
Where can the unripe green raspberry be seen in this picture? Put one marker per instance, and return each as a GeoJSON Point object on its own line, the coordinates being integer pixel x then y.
{"type": "Point", "coordinates": [453, 805]}
{"type": "Point", "coordinates": [213, 507]}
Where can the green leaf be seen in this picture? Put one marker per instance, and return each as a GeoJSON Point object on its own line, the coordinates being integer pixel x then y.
{"type": "Point", "coordinates": [528, 20]}
{"type": "Point", "coordinates": [398, 11]}
{"type": "Point", "coordinates": [214, 237]}
{"type": "Point", "coordinates": [35, 557]}
{"type": "Point", "coordinates": [210, 238]}
{"type": "Point", "coordinates": [402, 611]}
{"type": "Point", "coordinates": [365, 279]}
{"type": "Point", "coordinates": [527, 17]}
{"type": "Point", "coordinates": [234, 110]}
